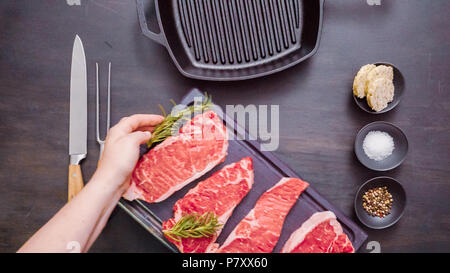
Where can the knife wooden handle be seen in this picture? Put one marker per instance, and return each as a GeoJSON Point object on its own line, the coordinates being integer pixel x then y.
{"type": "Point", "coordinates": [75, 181]}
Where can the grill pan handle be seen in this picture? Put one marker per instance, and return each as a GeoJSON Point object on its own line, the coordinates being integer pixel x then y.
{"type": "Point", "coordinates": [157, 37]}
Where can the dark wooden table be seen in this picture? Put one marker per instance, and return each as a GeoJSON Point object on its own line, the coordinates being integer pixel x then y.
{"type": "Point", "coordinates": [319, 119]}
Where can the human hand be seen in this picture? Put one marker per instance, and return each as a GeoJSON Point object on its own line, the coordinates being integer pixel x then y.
{"type": "Point", "coordinates": [121, 151]}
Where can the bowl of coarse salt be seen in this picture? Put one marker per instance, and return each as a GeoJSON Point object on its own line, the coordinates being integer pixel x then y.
{"type": "Point", "coordinates": [381, 146]}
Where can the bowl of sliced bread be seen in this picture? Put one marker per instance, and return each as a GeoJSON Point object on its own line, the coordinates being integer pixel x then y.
{"type": "Point", "coordinates": [378, 87]}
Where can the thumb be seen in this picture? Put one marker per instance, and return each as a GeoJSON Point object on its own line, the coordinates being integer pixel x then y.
{"type": "Point", "coordinates": [140, 137]}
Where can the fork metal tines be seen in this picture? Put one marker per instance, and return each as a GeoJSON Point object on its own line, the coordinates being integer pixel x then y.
{"type": "Point", "coordinates": [100, 141]}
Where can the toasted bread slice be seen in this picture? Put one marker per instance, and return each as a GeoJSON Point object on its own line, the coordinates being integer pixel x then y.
{"type": "Point", "coordinates": [381, 71]}
{"type": "Point", "coordinates": [359, 83]}
{"type": "Point", "coordinates": [380, 92]}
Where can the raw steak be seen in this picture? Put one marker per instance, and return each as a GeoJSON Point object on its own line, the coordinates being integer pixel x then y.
{"type": "Point", "coordinates": [259, 231]}
{"type": "Point", "coordinates": [220, 194]}
{"type": "Point", "coordinates": [201, 144]}
{"type": "Point", "coordinates": [321, 233]}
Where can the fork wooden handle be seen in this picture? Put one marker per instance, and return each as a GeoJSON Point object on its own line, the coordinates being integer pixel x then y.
{"type": "Point", "coordinates": [102, 147]}
{"type": "Point", "coordinates": [75, 181]}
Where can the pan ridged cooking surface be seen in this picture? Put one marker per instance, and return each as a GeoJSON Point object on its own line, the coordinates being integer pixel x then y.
{"type": "Point", "coordinates": [238, 33]}
{"type": "Point", "coordinates": [226, 40]}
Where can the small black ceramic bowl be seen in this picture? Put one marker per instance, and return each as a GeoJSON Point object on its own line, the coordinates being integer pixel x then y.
{"type": "Point", "coordinates": [392, 161]}
{"type": "Point", "coordinates": [398, 204]}
{"type": "Point", "coordinates": [399, 84]}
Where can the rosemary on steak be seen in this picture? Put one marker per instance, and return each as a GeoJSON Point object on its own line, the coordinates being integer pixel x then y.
{"type": "Point", "coordinates": [166, 127]}
{"type": "Point", "coordinates": [194, 226]}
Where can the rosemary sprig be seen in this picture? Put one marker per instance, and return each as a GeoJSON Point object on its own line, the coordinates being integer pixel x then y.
{"type": "Point", "coordinates": [166, 127]}
{"type": "Point", "coordinates": [194, 226]}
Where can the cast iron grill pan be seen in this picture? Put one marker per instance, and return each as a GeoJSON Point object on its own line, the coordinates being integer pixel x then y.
{"type": "Point", "coordinates": [235, 39]}
{"type": "Point", "coordinates": [239, 33]}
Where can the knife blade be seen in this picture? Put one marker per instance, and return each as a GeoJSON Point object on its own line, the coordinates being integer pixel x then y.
{"type": "Point", "coordinates": [77, 117]}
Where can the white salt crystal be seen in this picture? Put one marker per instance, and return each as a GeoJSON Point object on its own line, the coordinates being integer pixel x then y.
{"type": "Point", "coordinates": [378, 145]}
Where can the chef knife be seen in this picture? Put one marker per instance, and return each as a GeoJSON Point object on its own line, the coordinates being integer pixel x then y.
{"type": "Point", "coordinates": [78, 117]}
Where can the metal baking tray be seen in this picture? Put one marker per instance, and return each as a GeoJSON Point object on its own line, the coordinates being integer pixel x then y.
{"type": "Point", "coordinates": [268, 171]}
{"type": "Point", "coordinates": [225, 40]}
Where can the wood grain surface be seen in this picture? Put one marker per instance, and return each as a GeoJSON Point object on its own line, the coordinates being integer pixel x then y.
{"type": "Point", "coordinates": [319, 119]}
{"type": "Point", "coordinates": [75, 181]}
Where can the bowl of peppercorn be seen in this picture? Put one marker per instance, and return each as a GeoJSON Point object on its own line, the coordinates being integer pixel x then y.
{"type": "Point", "coordinates": [380, 202]}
